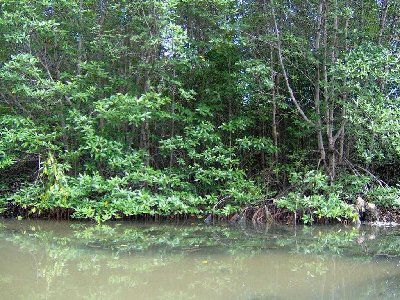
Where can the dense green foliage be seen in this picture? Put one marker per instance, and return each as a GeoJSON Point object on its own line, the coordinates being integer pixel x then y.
{"type": "Point", "coordinates": [111, 109]}
{"type": "Point", "coordinates": [314, 198]}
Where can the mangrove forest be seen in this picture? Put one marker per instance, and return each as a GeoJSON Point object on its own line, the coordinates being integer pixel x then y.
{"type": "Point", "coordinates": [262, 111]}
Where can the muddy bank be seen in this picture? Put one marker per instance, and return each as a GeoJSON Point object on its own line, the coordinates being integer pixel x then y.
{"type": "Point", "coordinates": [270, 213]}
{"type": "Point", "coordinates": [265, 213]}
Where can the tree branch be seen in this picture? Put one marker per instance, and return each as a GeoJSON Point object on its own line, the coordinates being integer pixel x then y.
{"type": "Point", "coordinates": [285, 75]}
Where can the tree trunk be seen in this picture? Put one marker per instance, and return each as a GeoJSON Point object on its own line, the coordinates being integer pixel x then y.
{"type": "Point", "coordinates": [317, 101]}
{"type": "Point", "coordinates": [274, 108]}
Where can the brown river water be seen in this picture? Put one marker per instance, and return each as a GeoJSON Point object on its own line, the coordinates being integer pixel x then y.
{"type": "Point", "coordinates": [73, 260]}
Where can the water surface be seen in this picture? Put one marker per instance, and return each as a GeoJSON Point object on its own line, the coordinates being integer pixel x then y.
{"type": "Point", "coordinates": [69, 260]}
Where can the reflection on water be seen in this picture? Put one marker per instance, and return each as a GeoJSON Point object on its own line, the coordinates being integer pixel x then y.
{"type": "Point", "coordinates": [60, 260]}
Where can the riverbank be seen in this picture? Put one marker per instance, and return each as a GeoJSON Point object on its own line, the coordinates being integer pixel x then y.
{"type": "Point", "coordinates": [266, 213]}
{"type": "Point", "coordinates": [309, 199]}
{"type": "Point", "coordinates": [272, 214]}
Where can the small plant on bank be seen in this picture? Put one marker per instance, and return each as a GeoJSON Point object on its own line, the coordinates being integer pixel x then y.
{"type": "Point", "coordinates": [387, 197]}
{"type": "Point", "coordinates": [315, 200]}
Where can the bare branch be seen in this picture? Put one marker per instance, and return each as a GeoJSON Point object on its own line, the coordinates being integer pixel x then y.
{"type": "Point", "coordinates": [285, 75]}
